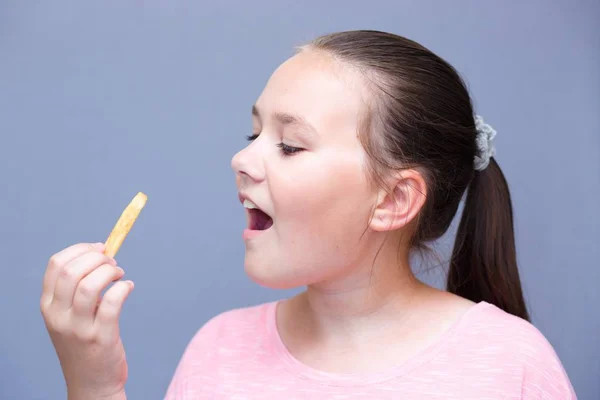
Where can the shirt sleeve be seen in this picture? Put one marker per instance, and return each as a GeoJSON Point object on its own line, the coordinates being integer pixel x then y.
{"type": "Point", "coordinates": [544, 375]}
{"type": "Point", "coordinates": [194, 362]}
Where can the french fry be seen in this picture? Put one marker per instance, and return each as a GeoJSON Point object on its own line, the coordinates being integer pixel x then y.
{"type": "Point", "coordinates": [124, 224]}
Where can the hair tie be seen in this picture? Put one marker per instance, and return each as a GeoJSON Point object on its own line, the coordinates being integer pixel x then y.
{"type": "Point", "coordinates": [485, 148]}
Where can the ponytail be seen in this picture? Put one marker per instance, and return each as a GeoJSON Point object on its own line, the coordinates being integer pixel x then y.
{"type": "Point", "coordinates": [483, 266]}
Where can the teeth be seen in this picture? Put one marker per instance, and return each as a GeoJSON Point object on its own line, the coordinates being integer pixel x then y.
{"type": "Point", "coordinates": [249, 204]}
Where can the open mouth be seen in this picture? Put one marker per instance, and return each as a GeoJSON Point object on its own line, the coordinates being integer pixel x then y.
{"type": "Point", "coordinates": [258, 220]}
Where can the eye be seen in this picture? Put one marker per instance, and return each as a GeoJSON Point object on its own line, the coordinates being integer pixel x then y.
{"type": "Point", "coordinates": [288, 150]}
{"type": "Point", "coordinates": [285, 149]}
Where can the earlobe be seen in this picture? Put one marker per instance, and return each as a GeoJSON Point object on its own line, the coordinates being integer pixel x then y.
{"type": "Point", "coordinates": [398, 207]}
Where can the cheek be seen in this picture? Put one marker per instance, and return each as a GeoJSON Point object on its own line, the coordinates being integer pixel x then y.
{"type": "Point", "coordinates": [321, 203]}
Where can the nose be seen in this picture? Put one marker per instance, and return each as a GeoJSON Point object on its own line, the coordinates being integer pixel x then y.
{"type": "Point", "coordinates": [248, 164]}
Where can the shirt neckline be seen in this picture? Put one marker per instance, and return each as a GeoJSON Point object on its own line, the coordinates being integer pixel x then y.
{"type": "Point", "coordinates": [297, 368]}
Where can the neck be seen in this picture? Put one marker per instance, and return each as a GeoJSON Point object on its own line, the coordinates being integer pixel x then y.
{"type": "Point", "coordinates": [364, 293]}
{"type": "Point", "coordinates": [373, 296]}
{"type": "Point", "coordinates": [373, 317]}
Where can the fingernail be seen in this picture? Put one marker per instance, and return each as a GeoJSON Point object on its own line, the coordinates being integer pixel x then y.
{"type": "Point", "coordinates": [130, 283]}
{"type": "Point", "coordinates": [98, 245]}
{"type": "Point", "coordinates": [121, 270]}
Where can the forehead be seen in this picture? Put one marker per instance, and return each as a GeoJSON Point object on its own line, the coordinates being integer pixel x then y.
{"type": "Point", "coordinates": [316, 87]}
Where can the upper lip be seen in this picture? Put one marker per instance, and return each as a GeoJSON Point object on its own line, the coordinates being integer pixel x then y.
{"type": "Point", "coordinates": [243, 196]}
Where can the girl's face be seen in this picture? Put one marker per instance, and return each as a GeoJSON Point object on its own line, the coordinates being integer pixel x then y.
{"type": "Point", "coordinates": [306, 169]}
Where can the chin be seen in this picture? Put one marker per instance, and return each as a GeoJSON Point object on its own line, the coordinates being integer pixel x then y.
{"type": "Point", "coordinates": [270, 277]}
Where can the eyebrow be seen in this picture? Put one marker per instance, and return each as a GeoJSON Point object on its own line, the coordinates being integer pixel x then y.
{"type": "Point", "coordinates": [289, 119]}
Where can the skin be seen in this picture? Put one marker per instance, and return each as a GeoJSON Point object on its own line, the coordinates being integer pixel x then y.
{"type": "Point", "coordinates": [333, 231]}
{"type": "Point", "coordinates": [329, 223]}
{"type": "Point", "coordinates": [83, 327]}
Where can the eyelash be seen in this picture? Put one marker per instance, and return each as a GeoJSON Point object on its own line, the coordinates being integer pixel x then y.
{"type": "Point", "coordinates": [285, 149]}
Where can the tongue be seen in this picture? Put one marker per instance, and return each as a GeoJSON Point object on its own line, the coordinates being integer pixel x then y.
{"type": "Point", "coordinates": [263, 221]}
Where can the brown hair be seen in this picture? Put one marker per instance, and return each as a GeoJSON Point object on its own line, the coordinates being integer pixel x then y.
{"type": "Point", "coordinates": [422, 117]}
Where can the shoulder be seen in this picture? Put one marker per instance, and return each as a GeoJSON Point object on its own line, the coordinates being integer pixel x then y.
{"type": "Point", "coordinates": [519, 345]}
{"type": "Point", "coordinates": [513, 333]}
{"type": "Point", "coordinates": [231, 328]}
{"type": "Point", "coordinates": [235, 334]}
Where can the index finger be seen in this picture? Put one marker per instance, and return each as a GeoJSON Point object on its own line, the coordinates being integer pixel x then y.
{"type": "Point", "coordinates": [61, 258]}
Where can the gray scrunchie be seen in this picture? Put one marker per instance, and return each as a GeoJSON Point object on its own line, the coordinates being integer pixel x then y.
{"type": "Point", "coordinates": [485, 148]}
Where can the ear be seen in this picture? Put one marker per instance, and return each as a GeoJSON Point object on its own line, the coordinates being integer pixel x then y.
{"type": "Point", "coordinates": [399, 207]}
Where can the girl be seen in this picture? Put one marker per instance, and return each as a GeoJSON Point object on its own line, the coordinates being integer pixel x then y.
{"type": "Point", "coordinates": [363, 145]}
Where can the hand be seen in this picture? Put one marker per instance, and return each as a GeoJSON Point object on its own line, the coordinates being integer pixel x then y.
{"type": "Point", "coordinates": [84, 327]}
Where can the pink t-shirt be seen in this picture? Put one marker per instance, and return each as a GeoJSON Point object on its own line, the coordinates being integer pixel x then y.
{"type": "Point", "coordinates": [487, 354]}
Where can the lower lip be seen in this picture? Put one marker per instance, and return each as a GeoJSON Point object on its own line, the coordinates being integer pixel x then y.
{"type": "Point", "coordinates": [251, 234]}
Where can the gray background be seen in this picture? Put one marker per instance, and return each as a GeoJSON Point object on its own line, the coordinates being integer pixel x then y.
{"type": "Point", "coordinates": [100, 100]}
